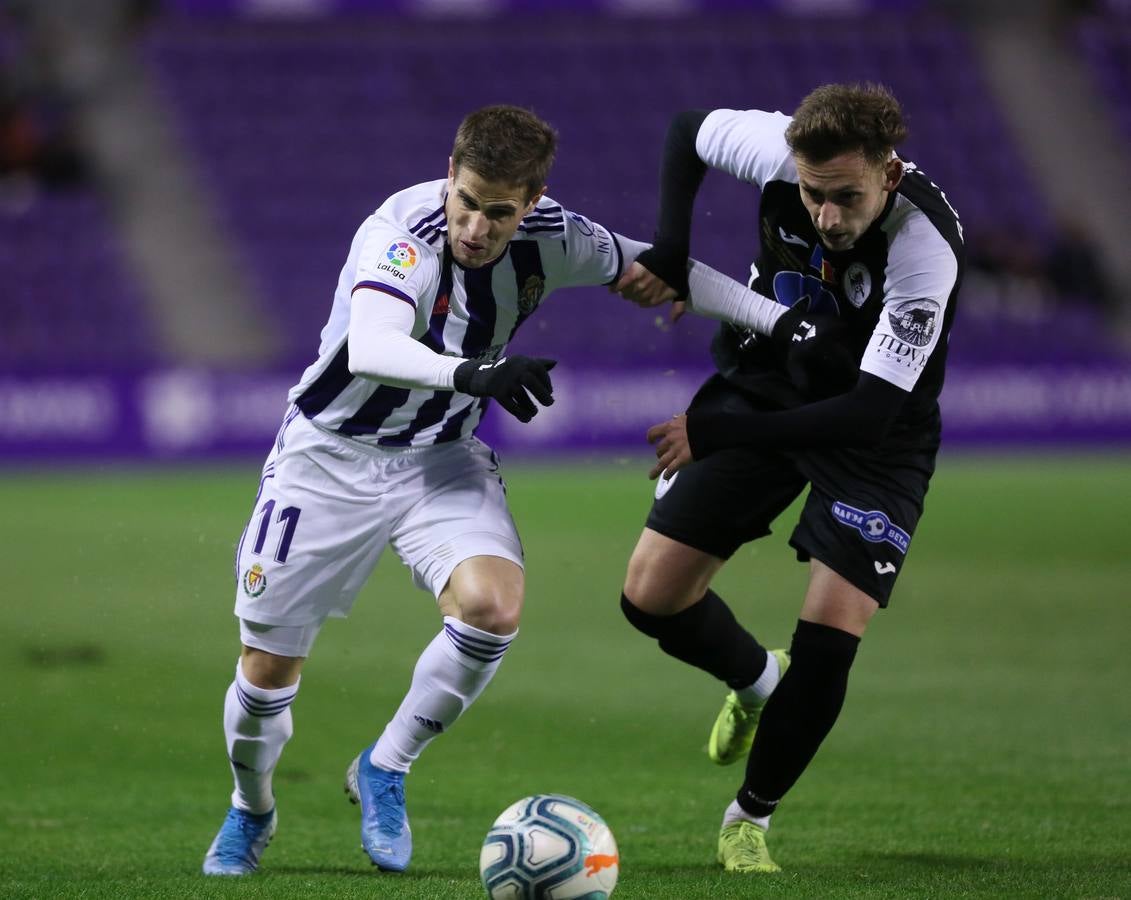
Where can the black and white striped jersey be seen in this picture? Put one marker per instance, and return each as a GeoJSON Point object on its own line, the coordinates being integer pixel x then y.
{"type": "Point", "coordinates": [895, 289]}
{"type": "Point", "coordinates": [401, 252]}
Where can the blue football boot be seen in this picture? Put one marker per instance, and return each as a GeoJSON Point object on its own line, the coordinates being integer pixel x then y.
{"type": "Point", "coordinates": [239, 843]}
{"type": "Point", "coordinates": [385, 834]}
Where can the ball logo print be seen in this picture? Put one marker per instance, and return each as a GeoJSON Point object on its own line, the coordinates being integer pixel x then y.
{"type": "Point", "coordinates": [401, 254]}
{"type": "Point", "coordinates": [549, 846]}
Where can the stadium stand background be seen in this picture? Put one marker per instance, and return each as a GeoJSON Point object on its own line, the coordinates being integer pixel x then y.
{"type": "Point", "coordinates": [179, 183]}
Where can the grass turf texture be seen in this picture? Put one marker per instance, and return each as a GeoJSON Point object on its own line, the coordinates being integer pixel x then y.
{"type": "Point", "coordinates": [982, 750]}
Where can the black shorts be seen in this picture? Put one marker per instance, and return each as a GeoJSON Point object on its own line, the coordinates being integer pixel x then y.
{"type": "Point", "coordinates": [858, 519]}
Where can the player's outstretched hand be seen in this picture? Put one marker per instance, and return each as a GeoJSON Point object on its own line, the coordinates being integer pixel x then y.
{"type": "Point", "coordinates": [643, 287]}
{"type": "Point", "coordinates": [510, 380]}
{"type": "Point", "coordinates": [673, 450]}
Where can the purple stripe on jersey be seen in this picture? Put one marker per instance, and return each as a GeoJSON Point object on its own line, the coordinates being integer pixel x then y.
{"type": "Point", "coordinates": [480, 310]}
{"type": "Point", "coordinates": [384, 289]}
{"type": "Point", "coordinates": [537, 217]}
{"type": "Point", "coordinates": [534, 229]}
{"type": "Point", "coordinates": [334, 379]}
{"type": "Point", "coordinates": [428, 218]}
{"type": "Point", "coordinates": [526, 257]}
{"type": "Point", "coordinates": [374, 411]}
{"type": "Point", "coordinates": [433, 338]}
{"type": "Point", "coordinates": [431, 411]}
{"type": "Point", "coordinates": [546, 210]}
{"type": "Point", "coordinates": [280, 438]}
{"type": "Point", "coordinates": [453, 428]}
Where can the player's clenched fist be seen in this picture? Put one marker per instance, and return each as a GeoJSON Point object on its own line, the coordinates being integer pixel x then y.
{"type": "Point", "coordinates": [510, 380]}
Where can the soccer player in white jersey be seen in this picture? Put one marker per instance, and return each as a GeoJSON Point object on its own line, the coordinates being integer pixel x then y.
{"type": "Point", "coordinates": [378, 450]}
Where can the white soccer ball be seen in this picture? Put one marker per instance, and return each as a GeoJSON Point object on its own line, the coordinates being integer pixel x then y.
{"type": "Point", "coordinates": [549, 847]}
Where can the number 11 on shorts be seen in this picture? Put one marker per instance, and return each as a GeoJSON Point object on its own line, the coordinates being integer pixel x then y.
{"type": "Point", "coordinates": [289, 516]}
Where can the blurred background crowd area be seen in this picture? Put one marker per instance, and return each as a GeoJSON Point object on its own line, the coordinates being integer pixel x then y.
{"type": "Point", "coordinates": [180, 181]}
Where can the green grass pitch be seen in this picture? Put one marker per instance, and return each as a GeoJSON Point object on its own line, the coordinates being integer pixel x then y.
{"type": "Point", "coordinates": [984, 750]}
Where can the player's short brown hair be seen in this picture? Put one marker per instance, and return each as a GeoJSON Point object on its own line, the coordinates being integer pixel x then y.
{"type": "Point", "coordinates": [843, 118]}
{"type": "Point", "coordinates": [506, 144]}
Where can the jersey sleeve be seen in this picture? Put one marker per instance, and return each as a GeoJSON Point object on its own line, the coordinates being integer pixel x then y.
{"type": "Point", "coordinates": [592, 254]}
{"type": "Point", "coordinates": [921, 274]}
{"type": "Point", "coordinates": [394, 263]}
{"type": "Point", "coordinates": [748, 144]}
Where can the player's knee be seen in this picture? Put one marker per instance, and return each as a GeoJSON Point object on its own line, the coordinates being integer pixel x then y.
{"type": "Point", "coordinates": [494, 611]}
{"type": "Point", "coordinates": [649, 589]}
{"type": "Point", "coordinates": [269, 671]}
{"type": "Point", "coordinates": [642, 621]}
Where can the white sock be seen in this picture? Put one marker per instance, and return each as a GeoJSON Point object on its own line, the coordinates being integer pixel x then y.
{"type": "Point", "coordinates": [762, 688]}
{"type": "Point", "coordinates": [736, 813]}
{"type": "Point", "coordinates": [451, 672]}
{"type": "Point", "coordinates": [257, 723]}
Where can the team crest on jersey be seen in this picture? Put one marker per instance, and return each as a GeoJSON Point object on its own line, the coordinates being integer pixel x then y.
{"type": "Point", "coordinates": [914, 321]}
{"type": "Point", "coordinates": [254, 581]}
{"type": "Point", "coordinates": [857, 284]}
{"type": "Point", "coordinates": [531, 294]}
{"type": "Point", "coordinates": [401, 254]}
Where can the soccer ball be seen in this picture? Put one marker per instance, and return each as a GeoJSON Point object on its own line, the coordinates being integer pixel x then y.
{"type": "Point", "coordinates": [549, 847]}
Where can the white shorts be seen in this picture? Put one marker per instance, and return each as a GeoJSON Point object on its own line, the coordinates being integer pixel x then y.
{"type": "Point", "coordinates": [327, 506]}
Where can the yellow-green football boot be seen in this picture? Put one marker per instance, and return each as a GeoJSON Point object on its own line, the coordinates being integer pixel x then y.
{"type": "Point", "coordinates": [734, 728]}
{"type": "Point", "coordinates": [742, 848]}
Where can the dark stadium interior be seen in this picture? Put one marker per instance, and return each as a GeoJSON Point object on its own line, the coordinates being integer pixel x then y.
{"type": "Point", "coordinates": [178, 179]}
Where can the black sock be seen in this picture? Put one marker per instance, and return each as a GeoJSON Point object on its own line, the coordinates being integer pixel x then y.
{"type": "Point", "coordinates": [706, 635]}
{"type": "Point", "coordinates": [799, 714]}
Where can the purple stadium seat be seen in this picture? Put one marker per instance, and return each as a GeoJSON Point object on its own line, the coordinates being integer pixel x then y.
{"type": "Point", "coordinates": [301, 130]}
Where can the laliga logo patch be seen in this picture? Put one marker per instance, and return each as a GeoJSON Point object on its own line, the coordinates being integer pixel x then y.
{"type": "Point", "coordinates": [873, 525]}
{"type": "Point", "coordinates": [254, 581]}
{"type": "Point", "coordinates": [531, 294]}
{"type": "Point", "coordinates": [913, 321]}
{"type": "Point", "coordinates": [401, 254]}
{"type": "Point", "coordinates": [857, 284]}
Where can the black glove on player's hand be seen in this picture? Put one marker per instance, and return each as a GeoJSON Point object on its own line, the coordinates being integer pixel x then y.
{"type": "Point", "coordinates": [509, 380]}
{"type": "Point", "coordinates": [816, 358]}
{"type": "Point", "coordinates": [797, 324]}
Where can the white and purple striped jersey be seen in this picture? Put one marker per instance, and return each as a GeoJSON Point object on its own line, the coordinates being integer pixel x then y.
{"type": "Point", "coordinates": [401, 252]}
